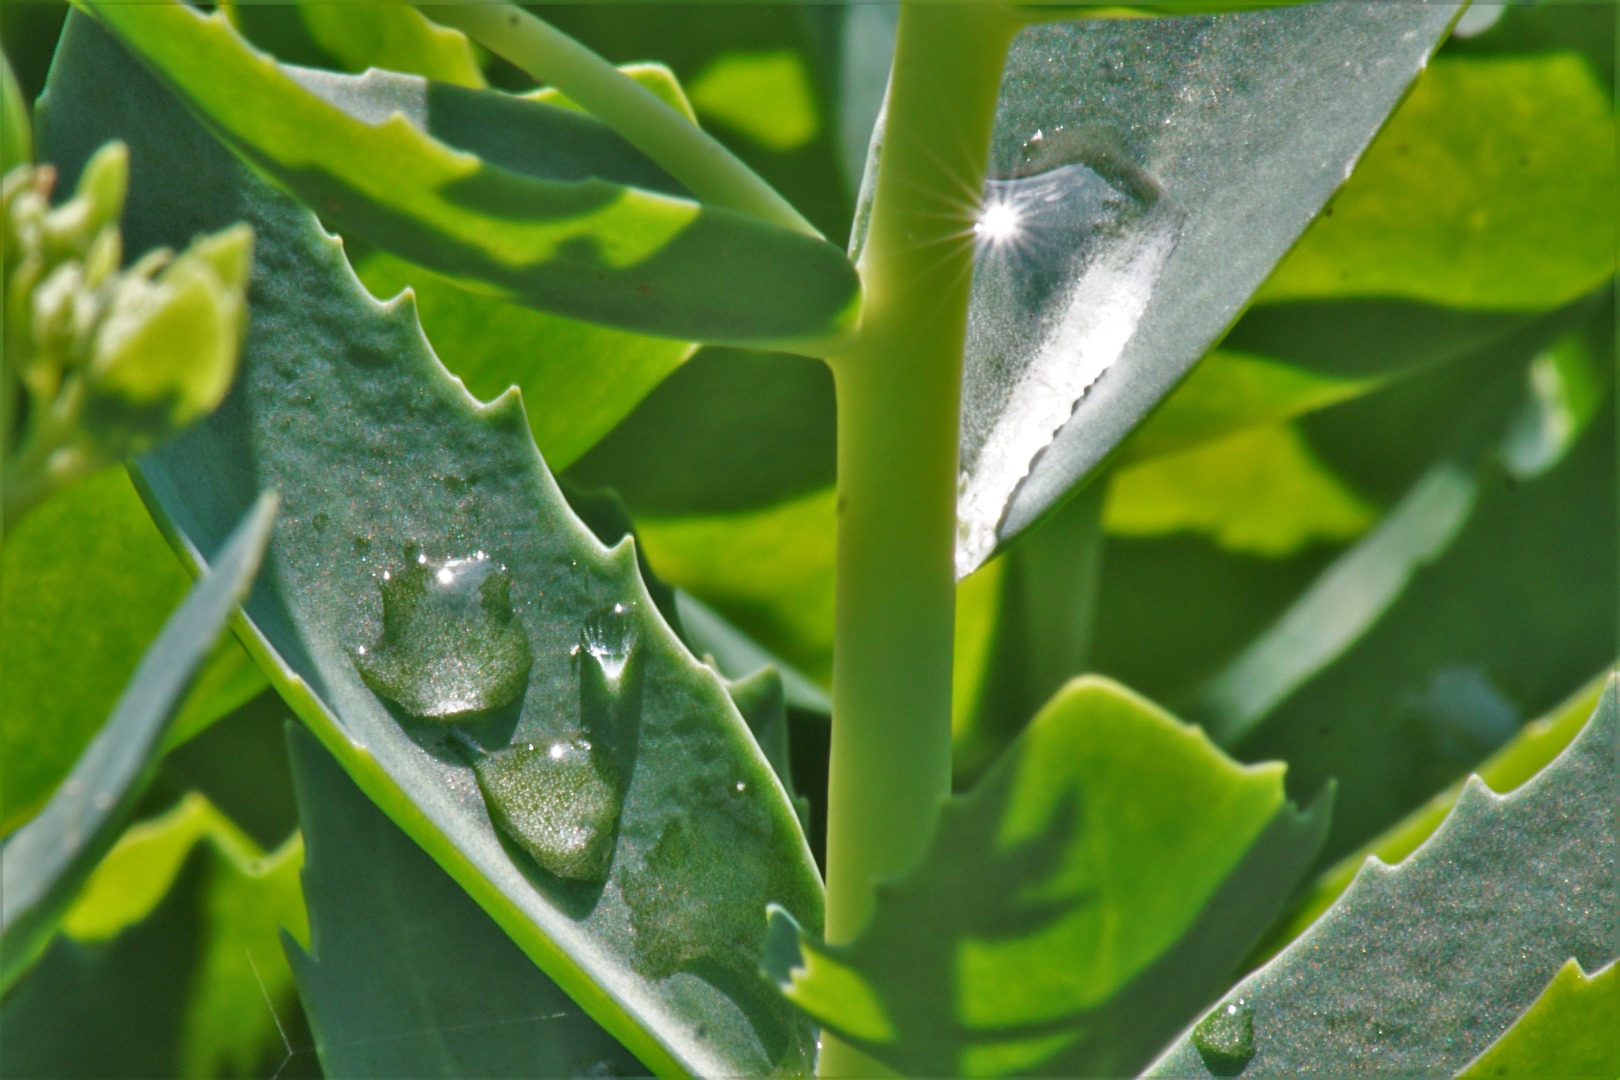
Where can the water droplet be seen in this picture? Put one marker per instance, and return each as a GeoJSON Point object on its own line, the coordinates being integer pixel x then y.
{"type": "Point", "coordinates": [559, 800]}
{"type": "Point", "coordinates": [451, 643]}
{"type": "Point", "coordinates": [320, 521]}
{"type": "Point", "coordinates": [609, 637]}
{"type": "Point", "coordinates": [1070, 242]}
{"type": "Point", "coordinates": [1225, 1038]}
{"type": "Point", "coordinates": [596, 1070]}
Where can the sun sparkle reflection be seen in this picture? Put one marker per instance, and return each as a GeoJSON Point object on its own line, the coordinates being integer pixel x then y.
{"type": "Point", "coordinates": [1000, 222]}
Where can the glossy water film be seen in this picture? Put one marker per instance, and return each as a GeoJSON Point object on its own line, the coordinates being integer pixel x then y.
{"type": "Point", "coordinates": [1070, 242]}
{"type": "Point", "coordinates": [559, 800]}
{"type": "Point", "coordinates": [451, 643]}
{"type": "Point", "coordinates": [1225, 1038]}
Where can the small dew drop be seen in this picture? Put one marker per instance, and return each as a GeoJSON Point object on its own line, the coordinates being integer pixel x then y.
{"type": "Point", "coordinates": [609, 637]}
{"type": "Point", "coordinates": [451, 643]}
{"type": "Point", "coordinates": [1225, 1038]}
{"type": "Point", "coordinates": [740, 787]}
{"type": "Point", "coordinates": [559, 801]}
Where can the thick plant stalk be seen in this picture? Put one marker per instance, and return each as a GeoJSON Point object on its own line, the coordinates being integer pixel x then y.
{"type": "Point", "coordinates": [899, 401]}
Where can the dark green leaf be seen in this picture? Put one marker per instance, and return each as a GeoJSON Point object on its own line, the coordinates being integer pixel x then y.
{"type": "Point", "coordinates": [405, 975]}
{"type": "Point", "coordinates": [396, 462]}
{"type": "Point", "coordinates": [780, 122]}
{"type": "Point", "coordinates": [737, 655]}
{"type": "Point", "coordinates": [1094, 890]}
{"type": "Point", "coordinates": [87, 573]}
{"type": "Point", "coordinates": [1025, 633]}
{"type": "Point", "coordinates": [47, 860]}
{"type": "Point", "coordinates": [1342, 605]}
{"type": "Point", "coordinates": [1421, 966]}
{"type": "Point", "coordinates": [1518, 609]}
{"type": "Point", "coordinates": [730, 431]}
{"type": "Point", "coordinates": [1230, 391]}
{"type": "Point", "coordinates": [170, 963]}
{"type": "Point", "coordinates": [354, 37]}
{"type": "Point", "coordinates": [1207, 144]}
{"type": "Point", "coordinates": [16, 129]}
{"type": "Point", "coordinates": [537, 202]}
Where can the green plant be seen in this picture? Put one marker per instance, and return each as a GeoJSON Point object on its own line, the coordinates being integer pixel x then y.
{"type": "Point", "coordinates": [1368, 535]}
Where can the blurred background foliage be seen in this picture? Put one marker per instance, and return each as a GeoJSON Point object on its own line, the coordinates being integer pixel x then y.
{"type": "Point", "coordinates": [1417, 412]}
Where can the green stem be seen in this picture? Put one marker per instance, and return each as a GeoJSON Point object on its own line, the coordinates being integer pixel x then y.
{"type": "Point", "coordinates": [899, 399]}
{"type": "Point", "coordinates": [711, 172]}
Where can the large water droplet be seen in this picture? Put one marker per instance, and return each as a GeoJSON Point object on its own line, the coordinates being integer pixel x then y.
{"type": "Point", "coordinates": [451, 643]}
{"type": "Point", "coordinates": [1225, 1038]}
{"type": "Point", "coordinates": [559, 800]}
{"type": "Point", "coordinates": [1070, 242]}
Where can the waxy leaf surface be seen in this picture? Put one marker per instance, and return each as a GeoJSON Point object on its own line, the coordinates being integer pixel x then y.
{"type": "Point", "coordinates": [387, 466]}
{"type": "Point", "coordinates": [1420, 966]}
{"type": "Point", "coordinates": [1204, 146]}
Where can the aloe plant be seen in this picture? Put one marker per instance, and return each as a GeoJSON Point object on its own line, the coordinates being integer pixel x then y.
{"type": "Point", "coordinates": [1044, 634]}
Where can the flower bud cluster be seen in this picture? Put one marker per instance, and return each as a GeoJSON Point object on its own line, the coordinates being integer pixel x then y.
{"type": "Point", "coordinates": [102, 361]}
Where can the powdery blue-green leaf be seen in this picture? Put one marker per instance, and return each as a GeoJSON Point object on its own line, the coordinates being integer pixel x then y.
{"type": "Point", "coordinates": [1536, 744]}
{"type": "Point", "coordinates": [534, 201]}
{"type": "Point", "coordinates": [1155, 170]}
{"type": "Point", "coordinates": [46, 861]}
{"type": "Point", "coordinates": [1062, 922]}
{"type": "Point", "coordinates": [169, 963]}
{"type": "Point", "coordinates": [1419, 967]}
{"type": "Point", "coordinates": [395, 465]}
{"type": "Point", "coordinates": [582, 379]}
{"type": "Point", "coordinates": [1570, 1031]}
{"type": "Point", "coordinates": [405, 976]}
